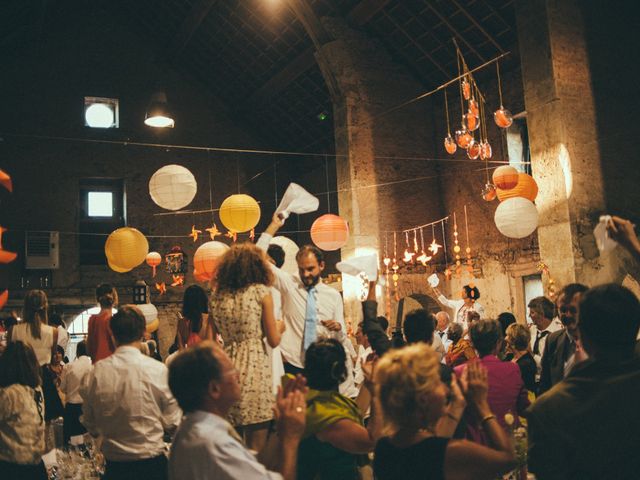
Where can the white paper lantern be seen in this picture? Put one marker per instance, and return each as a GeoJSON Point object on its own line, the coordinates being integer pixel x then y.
{"type": "Point", "coordinates": [149, 311]}
{"type": "Point", "coordinates": [290, 251]}
{"type": "Point", "coordinates": [173, 187]}
{"type": "Point", "coordinates": [516, 217]}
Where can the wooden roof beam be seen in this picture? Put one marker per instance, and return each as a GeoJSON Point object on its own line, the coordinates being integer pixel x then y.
{"type": "Point", "coordinates": [190, 24]}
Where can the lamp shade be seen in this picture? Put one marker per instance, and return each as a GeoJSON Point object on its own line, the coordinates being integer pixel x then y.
{"type": "Point", "coordinates": [158, 113]}
{"type": "Point", "coordinates": [505, 177]}
{"type": "Point", "coordinates": [516, 217]}
{"type": "Point", "coordinates": [239, 213]}
{"type": "Point", "coordinates": [526, 188]}
{"type": "Point", "coordinates": [172, 187]}
{"type": "Point", "coordinates": [206, 259]}
{"type": "Point", "coordinates": [149, 311]}
{"type": "Point", "coordinates": [329, 232]}
{"type": "Point", "coordinates": [126, 248]}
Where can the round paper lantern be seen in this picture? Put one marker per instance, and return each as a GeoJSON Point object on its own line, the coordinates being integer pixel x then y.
{"type": "Point", "coordinates": [126, 248]}
{"type": "Point", "coordinates": [526, 187]}
{"type": "Point", "coordinates": [516, 217]}
{"type": "Point", "coordinates": [206, 259]}
{"type": "Point", "coordinates": [149, 311]}
{"type": "Point", "coordinates": [239, 213]}
{"type": "Point", "coordinates": [290, 251]}
{"type": "Point", "coordinates": [173, 187]}
{"type": "Point", "coordinates": [153, 260]}
{"type": "Point", "coordinates": [505, 177]}
{"type": "Point", "coordinates": [115, 268]}
{"type": "Point", "coordinates": [329, 232]}
{"type": "Point", "coordinates": [153, 326]}
{"type": "Point", "coordinates": [199, 277]}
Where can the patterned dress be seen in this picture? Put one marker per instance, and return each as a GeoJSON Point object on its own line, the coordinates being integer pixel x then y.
{"type": "Point", "coordinates": [238, 318]}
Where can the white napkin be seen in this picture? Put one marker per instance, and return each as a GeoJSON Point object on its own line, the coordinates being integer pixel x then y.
{"type": "Point", "coordinates": [354, 266]}
{"type": "Point", "coordinates": [297, 200]}
{"type": "Point", "coordinates": [603, 241]}
{"type": "Point", "coordinates": [433, 280]}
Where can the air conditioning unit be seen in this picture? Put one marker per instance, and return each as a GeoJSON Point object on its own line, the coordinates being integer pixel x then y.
{"type": "Point", "coordinates": [42, 250]}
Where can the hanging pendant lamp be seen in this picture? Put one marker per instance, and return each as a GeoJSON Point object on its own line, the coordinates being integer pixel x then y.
{"type": "Point", "coordinates": [158, 113]}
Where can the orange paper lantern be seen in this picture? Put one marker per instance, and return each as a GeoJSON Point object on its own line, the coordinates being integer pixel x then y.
{"type": "Point", "coordinates": [153, 260]}
{"type": "Point", "coordinates": [4, 297]}
{"type": "Point", "coordinates": [206, 259]}
{"type": "Point", "coordinates": [505, 177]}
{"type": "Point", "coordinates": [330, 232]}
{"type": "Point", "coordinates": [526, 188]}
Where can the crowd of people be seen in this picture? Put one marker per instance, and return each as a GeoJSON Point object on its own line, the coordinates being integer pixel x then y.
{"type": "Point", "coordinates": [439, 397]}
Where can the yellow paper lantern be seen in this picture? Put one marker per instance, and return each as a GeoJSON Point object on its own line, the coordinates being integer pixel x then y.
{"type": "Point", "coordinates": [206, 259]}
{"type": "Point", "coordinates": [126, 248]}
{"type": "Point", "coordinates": [516, 217]}
{"type": "Point", "coordinates": [153, 326]}
{"type": "Point", "coordinates": [526, 188]}
{"type": "Point", "coordinates": [172, 187]}
{"type": "Point", "coordinates": [115, 268]}
{"type": "Point", "coordinates": [330, 232]}
{"type": "Point", "coordinates": [239, 213]}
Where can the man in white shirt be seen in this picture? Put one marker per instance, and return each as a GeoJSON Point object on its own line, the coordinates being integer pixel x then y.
{"type": "Point", "coordinates": [73, 375]}
{"type": "Point", "coordinates": [127, 400]}
{"type": "Point", "coordinates": [541, 312]}
{"type": "Point", "coordinates": [461, 308]}
{"type": "Point", "coordinates": [442, 329]}
{"type": "Point", "coordinates": [310, 309]}
{"type": "Point", "coordinates": [205, 383]}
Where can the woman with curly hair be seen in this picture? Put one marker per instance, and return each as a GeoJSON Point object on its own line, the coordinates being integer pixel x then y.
{"type": "Point", "coordinates": [242, 312]}
{"type": "Point", "coordinates": [413, 401]}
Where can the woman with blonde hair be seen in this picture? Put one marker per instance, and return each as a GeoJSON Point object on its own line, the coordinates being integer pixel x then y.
{"type": "Point", "coordinates": [99, 338]}
{"type": "Point", "coordinates": [43, 338]}
{"type": "Point", "coordinates": [518, 338]}
{"type": "Point", "coordinates": [242, 312]}
{"type": "Point", "coordinates": [413, 401]}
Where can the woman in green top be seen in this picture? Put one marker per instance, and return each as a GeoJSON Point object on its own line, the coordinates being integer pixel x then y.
{"type": "Point", "coordinates": [335, 436]}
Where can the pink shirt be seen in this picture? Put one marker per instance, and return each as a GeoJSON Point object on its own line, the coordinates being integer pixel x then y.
{"type": "Point", "coordinates": [99, 342]}
{"type": "Point", "coordinates": [507, 394]}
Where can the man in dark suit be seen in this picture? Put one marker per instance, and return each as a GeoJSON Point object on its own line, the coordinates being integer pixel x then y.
{"type": "Point", "coordinates": [586, 426]}
{"type": "Point", "coordinates": [562, 348]}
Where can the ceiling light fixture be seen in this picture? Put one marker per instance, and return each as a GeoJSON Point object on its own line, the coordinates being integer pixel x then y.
{"type": "Point", "coordinates": [158, 113]}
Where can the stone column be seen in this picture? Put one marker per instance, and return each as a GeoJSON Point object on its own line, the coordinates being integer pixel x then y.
{"type": "Point", "coordinates": [565, 156]}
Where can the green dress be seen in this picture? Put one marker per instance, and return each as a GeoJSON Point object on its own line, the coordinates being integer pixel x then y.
{"type": "Point", "coordinates": [319, 460]}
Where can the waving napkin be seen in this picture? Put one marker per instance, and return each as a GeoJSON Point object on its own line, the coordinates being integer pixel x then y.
{"type": "Point", "coordinates": [354, 266]}
{"type": "Point", "coordinates": [297, 200]}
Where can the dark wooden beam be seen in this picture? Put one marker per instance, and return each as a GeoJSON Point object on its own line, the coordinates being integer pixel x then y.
{"type": "Point", "coordinates": [359, 16]}
{"type": "Point", "coordinates": [190, 24]}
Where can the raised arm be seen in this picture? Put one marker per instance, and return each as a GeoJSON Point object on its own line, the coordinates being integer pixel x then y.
{"type": "Point", "coordinates": [376, 335]}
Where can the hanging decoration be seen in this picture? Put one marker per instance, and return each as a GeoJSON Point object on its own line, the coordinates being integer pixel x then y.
{"type": "Point", "coordinates": [161, 288]}
{"type": "Point", "coordinates": [468, 247]}
{"type": "Point", "coordinates": [213, 231]}
{"type": "Point", "coordinates": [207, 258]}
{"type": "Point", "coordinates": [194, 233]}
{"type": "Point", "coordinates": [408, 255]}
{"type": "Point", "coordinates": [252, 234]}
{"type": "Point", "coordinates": [516, 217]}
{"type": "Point", "coordinates": [489, 192]}
{"type": "Point", "coordinates": [232, 235]}
{"type": "Point", "coordinates": [449, 143]}
{"type": "Point", "coordinates": [435, 246]}
{"type": "Point", "coordinates": [502, 116]}
{"type": "Point", "coordinates": [330, 232]}
{"type": "Point", "coordinates": [526, 188]}
{"type": "Point", "coordinates": [456, 246]}
{"type": "Point", "coordinates": [447, 270]}
{"type": "Point", "coordinates": [172, 187]}
{"type": "Point", "coordinates": [387, 261]}
{"type": "Point", "coordinates": [551, 284]}
{"type": "Point", "coordinates": [5, 180]}
{"type": "Point", "coordinates": [239, 213]}
{"type": "Point", "coordinates": [4, 298]}
{"type": "Point", "coordinates": [5, 255]}
{"type": "Point", "coordinates": [125, 249]}
{"type": "Point", "coordinates": [153, 260]}
{"type": "Point", "coordinates": [423, 258]}
{"type": "Point", "coordinates": [176, 262]}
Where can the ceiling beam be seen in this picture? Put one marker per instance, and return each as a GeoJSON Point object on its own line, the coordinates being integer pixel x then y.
{"type": "Point", "coordinates": [190, 24]}
{"type": "Point", "coordinates": [359, 15]}
{"type": "Point", "coordinates": [478, 26]}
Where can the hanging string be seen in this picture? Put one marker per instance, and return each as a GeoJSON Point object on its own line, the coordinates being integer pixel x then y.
{"type": "Point", "coordinates": [415, 240]}
{"type": "Point", "coordinates": [422, 240]}
{"type": "Point", "coordinates": [446, 109]}
{"type": "Point", "coordinates": [430, 224]}
{"type": "Point", "coordinates": [395, 249]}
{"type": "Point", "coordinates": [444, 244]}
{"type": "Point", "coordinates": [499, 83]}
{"type": "Point", "coordinates": [466, 225]}
{"type": "Point", "coordinates": [326, 169]}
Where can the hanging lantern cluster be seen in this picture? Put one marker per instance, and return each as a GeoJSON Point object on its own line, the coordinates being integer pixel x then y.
{"type": "Point", "coordinates": [516, 216]}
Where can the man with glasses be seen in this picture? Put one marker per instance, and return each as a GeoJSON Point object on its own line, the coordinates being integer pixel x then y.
{"type": "Point", "coordinates": [563, 348]}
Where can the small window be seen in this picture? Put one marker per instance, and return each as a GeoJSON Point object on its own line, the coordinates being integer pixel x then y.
{"type": "Point", "coordinates": [532, 288]}
{"type": "Point", "coordinates": [100, 204]}
{"type": "Point", "coordinates": [518, 145]}
{"type": "Point", "coordinates": [101, 112]}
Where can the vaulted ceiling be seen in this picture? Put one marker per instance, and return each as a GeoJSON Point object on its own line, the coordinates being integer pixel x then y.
{"type": "Point", "coordinates": [256, 57]}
